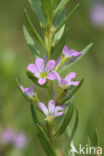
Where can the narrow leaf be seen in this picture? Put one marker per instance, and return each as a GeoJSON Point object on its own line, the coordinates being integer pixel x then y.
{"type": "Point", "coordinates": [74, 90]}
{"type": "Point", "coordinates": [66, 119]}
{"type": "Point", "coordinates": [59, 34]}
{"type": "Point", "coordinates": [38, 10]}
{"type": "Point", "coordinates": [67, 18]}
{"type": "Point", "coordinates": [34, 116]}
{"type": "Point", "coordinates": [32, 29]}
{"type": "Point", "coordinates": [60, 18]}
{"type": "Point", "coordinates": [84, 51]}
{"type": "Point", "coordinates": [55, 3]}
{"type": "Point", "coordinates": [96, 138]}
{"type": "Point", "coordinates": [60, 6]}
{"type": "Point", "coordinates": [57, 50]}
{"type": "Point", "coordinates": [45, 141]}
{"type": "Point", "coordinates": [66, 151]}
{"type": "Point", "coordinates": [47, 7]}
{"type": "Point", "coordinates": [31, 43]}
{"type": "Point", "coordinates": [74, 127]}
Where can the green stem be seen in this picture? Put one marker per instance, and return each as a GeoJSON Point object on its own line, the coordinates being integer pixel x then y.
{"type": "Point", "coordinates": [62, 61]}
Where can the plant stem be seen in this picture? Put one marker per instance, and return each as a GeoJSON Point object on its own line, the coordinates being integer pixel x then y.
{"type": "Point", "coordinates": [62, 61]}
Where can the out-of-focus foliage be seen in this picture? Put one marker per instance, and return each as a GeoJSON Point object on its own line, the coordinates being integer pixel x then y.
{"type": "Point", "coordinates": [15, 55]}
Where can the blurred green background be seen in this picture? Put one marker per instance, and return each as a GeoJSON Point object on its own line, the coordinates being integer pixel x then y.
{"type": "Point", "coordinates": [15, 56]}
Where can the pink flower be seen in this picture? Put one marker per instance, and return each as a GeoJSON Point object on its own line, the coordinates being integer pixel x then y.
{"type": "Point", "coordinates": [71, 52]}
{"type": "Point", "coordinates": [20, 140]}
{"type": "Point", "coordinates": [97, 15]}
{"type": "Point", "coordinates": [41, 72]}
{"type": "Point", "coordinates": [51, 110]}
{"type": "Point", "coordinates": [28, 91]}
{"type": "Point", "coordinates": [7, 136]}
{"type": "Point", "coordinates": [67, 81]}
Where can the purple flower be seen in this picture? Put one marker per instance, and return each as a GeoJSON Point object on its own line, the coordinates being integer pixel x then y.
{"type": "Point", "coordinates": [71, 52]}
{"type": "Point", "coordinates": [41, 72]}
{"type": "Point", "coordinates": [7, 136]}
{"type": "Point", "coordinates": [51, 111]}
{"type": "Point", "coordinates": [97, 15]}
{"type": "Point", "coordinates": [28, 91]}
{"type": "Point", "coordinates": [67, 81]}
{"type": "Point", "coordinates": [20, 140]}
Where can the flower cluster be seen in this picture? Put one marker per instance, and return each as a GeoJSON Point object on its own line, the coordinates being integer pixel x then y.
{"type": "Point", "coordinates": [45, 71]}
{"type": "Point", "coordinates": [10, 137]}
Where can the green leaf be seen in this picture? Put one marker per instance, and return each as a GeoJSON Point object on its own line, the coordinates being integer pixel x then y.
{"type": "Point", "coordinates": [60, 18]}
{"type": "Point", "coordinates": [73, 91]}
{"type": "Point", "coordinates": [32, 29]}
{"type": "Point", "coordinates": [59, 34]}
{"type": "Point", "coordinates": [96, 138]}
{"type": "Point", "coordinates": [34, 116]}
{"type": "Point", "coordinates": [60, 6]}
{"type": "Point", "coordinates": [31, 43]}
{"type": "Point", "coordinates": [55, 3]}
{"type": "Point", "coordinates": [45, 142]}
{"type": "Point", "coordinates": [27, 98]}
{"type": "Point", "coordinates": [89, 141]}
{"type": "Point", "coordinates": [67, 18]}
{"type": "Point", "coordinates": [57, 50]}
{"type": "Point", "coordinates": [38, 10]}
{"type": "Point", "coordinates": [47, 7]}
{"type": "Point", "coordinates": [35, 80]}
{"type": "Point", "coordinates": [66, 151]}
{"type": "Point", "coordinates": [74, 127]}
{"type": "Point", "coordinates": [84, 51]}
{"type": "Point", "coordinates": [66, 119]}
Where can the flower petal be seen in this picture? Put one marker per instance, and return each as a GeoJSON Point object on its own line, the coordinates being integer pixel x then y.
{"type": "Point", "coordinates": [58, 114]}
{"type": "Point", "coordinates": [73, 52]}
{"type": "Point", "coordinates": [43, 108]}
{"type": "Point", "coordinates": [50, 65]}
{"type": "Point", "coordinates": [73, 83]}
{"type": "Point", "coordinates": [45, 59]}
{"type": "Point", "coordinates": [53, 76]}
{"type": "Point", "coordinates": [70, 76]}
{"type": "Point", "coordinates": [40, 64]}
{"type": "Point", "coordinates": [41, 81]}
{"type": "Point", "coordinates": [28, 91]}
{"type": "Point", "coordinates": [32, 68]}
{"type": "Point", "coordinates": [51, 106]}
{"type": "Point", "coordinates": [65, 51]}
{"type": "Point", "coordinates": [59, 108]}
{"type": "Point", "coordinates": [63, 82]}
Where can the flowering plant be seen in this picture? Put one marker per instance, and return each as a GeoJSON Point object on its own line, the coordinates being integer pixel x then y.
{"type": "Point", "coordinates": [52, 58]}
